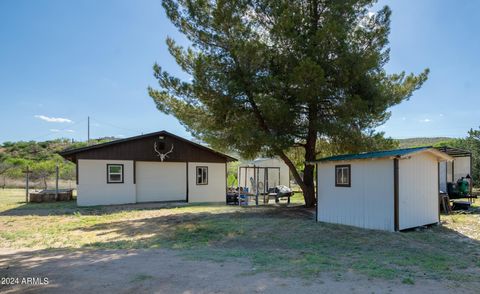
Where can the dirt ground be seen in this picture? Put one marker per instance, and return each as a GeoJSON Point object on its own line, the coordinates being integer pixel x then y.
{"type": "Point", "coordinates": [164, 271]}
{"type": "Point", "coordinates": [180, 248]}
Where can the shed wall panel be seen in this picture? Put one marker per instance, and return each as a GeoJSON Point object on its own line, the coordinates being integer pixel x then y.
{"type": "Point", "coordinates": [449, 171]}
{"type": "Point", "coordinates": [280, 176]}
{"type": "Point", "coordinates": [462, 167]}
{"type": "Point", "coordinates": [368, 203]}
{"type": "Point", "coordinates": [93, 188]}
{"type": "Point", "coordinates": [214, 191]}
{"type": "Point", "coordinates": [418, 191]}
{"type": "Point", "coordinates": [284, 171]}
{"type": "Point", "coordinates": [443, 176]}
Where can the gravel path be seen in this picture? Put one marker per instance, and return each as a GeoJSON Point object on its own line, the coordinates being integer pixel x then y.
{"type": "Point", "coordinates": [163, 271]}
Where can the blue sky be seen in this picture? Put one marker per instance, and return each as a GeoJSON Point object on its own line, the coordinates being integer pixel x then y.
{"type": "Point", "coordinates": [61, 61]}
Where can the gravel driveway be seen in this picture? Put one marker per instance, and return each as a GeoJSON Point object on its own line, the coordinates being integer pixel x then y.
{"type": "Point", "coordinates": [164, 271]}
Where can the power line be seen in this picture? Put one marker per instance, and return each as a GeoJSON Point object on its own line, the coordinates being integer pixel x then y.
{"type": "Point", "coordinates": [76, 124]}
{"type": "Point", "coordinates": [60, 130]}
{"type": "Point", "coordinates": [115, 126]}
{"type": "Point", "coordinates": [88, 131]}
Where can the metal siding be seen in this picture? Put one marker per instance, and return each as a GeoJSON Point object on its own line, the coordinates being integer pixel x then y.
{"type": "Point", "coordinates": [214, 191]}
{"type": "Point", "coordinates": [368, 203]}
{"type": "Point", "coordinates": [462, 167]}
{"type": "Point", "coordinates": [93, 188]}
{"type": "Point", "coordinates": [250, 173]}
{"type": "Point", "coordinates": [418, 198]}
{"type": "Point", "coordinates": [275, 162]}
{"type": "Point", "coordinates": [449, 171]}
{"type": "Point", "coordinates": [442, 170]}
{"type": "Point", "coordinates": [161, 181]}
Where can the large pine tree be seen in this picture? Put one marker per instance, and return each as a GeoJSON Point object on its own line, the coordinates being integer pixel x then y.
{"type": "Point", "coordinates": [270, 75]}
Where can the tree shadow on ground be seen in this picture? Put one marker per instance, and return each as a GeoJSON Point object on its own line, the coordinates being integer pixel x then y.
{"type": "Point", "coordinates": [121, 271]}
{"type": "Point", "coordinates": [70, 207]}
{"type": "Point", "coordinates": [163, 271]}
{"type": "Point", "coordinates": [286, 241]}
{"type": "Point", "coordinates": [282, 241]}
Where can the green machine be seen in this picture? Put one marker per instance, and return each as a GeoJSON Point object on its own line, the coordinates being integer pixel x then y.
{"type": "Point", "coordinates": [460, 189]}
{"type": "Point", "coordinates": [463, 186]}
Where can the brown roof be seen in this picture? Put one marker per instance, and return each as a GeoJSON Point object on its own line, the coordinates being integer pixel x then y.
{"type": "Point", "coordinates": [141, 148]}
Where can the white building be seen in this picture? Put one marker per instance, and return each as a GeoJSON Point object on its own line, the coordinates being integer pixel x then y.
{"type": "Point", "coordinates": [387, 190]}
{"type": "Point", "coordinates": [269, 172]}
{"type": "Point", "coordinates": [149, 168]}
{"type": "Point", "coordinates": [452, 171]}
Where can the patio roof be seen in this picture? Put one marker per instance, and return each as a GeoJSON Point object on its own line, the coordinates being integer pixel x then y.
{"type": "Point", "coordinates": [454, 152]}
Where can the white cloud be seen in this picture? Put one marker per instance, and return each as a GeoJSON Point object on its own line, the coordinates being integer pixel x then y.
{"type": "Point", "coordinates": [58, 131]}
{"type": "Point", "coordinates": [404, 118]}
{"type": "Point", "coordinates": [53, 119]}
{"type": "Point", "coordinates": [427, 120]}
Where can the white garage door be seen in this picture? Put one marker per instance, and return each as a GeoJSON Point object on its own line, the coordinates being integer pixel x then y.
{"type": "Point", "coordinates": [161, 181]}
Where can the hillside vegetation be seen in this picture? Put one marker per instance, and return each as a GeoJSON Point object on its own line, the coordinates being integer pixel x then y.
{"type": "Point", "coordinates": [422, 141]}
{"type": "Point", "coordinates": [40, 158]}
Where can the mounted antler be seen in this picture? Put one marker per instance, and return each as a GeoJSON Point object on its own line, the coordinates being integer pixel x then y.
{"type": "Point", "coordinates": [162, 155]}
{"type": "Point", "coordinates": [155, 148]}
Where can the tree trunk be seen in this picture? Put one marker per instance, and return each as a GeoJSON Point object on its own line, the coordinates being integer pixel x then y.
{"type": "Point", "coordinates": [309, 186]}
{"type": "Point", "coordinates": [307, 183]}
{"type": "Point", "coordinates": [310, 146]}
{"type": "Point", "coordinates": [45, 182]}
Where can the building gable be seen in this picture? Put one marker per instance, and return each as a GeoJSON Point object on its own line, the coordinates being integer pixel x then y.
{"type": "Point", "coordinates": [149, 148]}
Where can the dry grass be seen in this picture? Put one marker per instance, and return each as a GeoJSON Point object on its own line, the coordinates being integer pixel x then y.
{"type": "Point", "coordinates": [467, 224]}
{"type": "Point", "coordinates": [276, 239]}
{"type": "Point", "coordinates": [36, 184]}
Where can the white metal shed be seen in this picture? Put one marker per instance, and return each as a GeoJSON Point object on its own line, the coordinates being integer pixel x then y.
{"type": "Point", "coordinates": [386, 190]}
{"type": "Point", "coordinates": [270, 172]}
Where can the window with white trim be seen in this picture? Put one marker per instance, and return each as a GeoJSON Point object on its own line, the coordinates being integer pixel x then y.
{"type": "Point", "coordinates": [114, 173]}
{"type": "Point", "coordinates": [343, 175]}
{"type": "Point", "coordinates": [202, 175]}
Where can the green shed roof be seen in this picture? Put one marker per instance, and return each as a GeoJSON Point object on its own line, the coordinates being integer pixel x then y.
{"type": "Point", "coordinates": [375, 154]}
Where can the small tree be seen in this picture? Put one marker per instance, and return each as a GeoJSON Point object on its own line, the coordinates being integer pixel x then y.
{"type": "Point", "coordinates": [11, 167]}
{"type": "Point", "coordinates": [43, 170]}
{"type": "Point", "coordinates": [4, 168]}
{"type": "Point", "coordinates": [271, 75]}
{"type": "Point", "coordinates": [473, 144]}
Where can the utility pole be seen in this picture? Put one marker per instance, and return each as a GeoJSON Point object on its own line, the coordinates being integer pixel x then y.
{"type": "Point", "coordinates": [88, 131]}
{"type": "Point", "coordinates": [56, 182]}
{"type": "Point", "coordinates": [27, 176]}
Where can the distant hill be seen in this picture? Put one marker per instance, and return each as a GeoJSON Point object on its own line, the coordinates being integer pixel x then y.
{"type": "Point", "coordinates": [421, 141]}
{"type": "Point", "coordinates": [41, 158]}
{"type": "Point", "coordinates": [46, 150]}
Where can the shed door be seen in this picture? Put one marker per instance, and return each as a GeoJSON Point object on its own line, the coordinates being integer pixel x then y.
{"type": "Point", "coordinates": [161, 181]}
